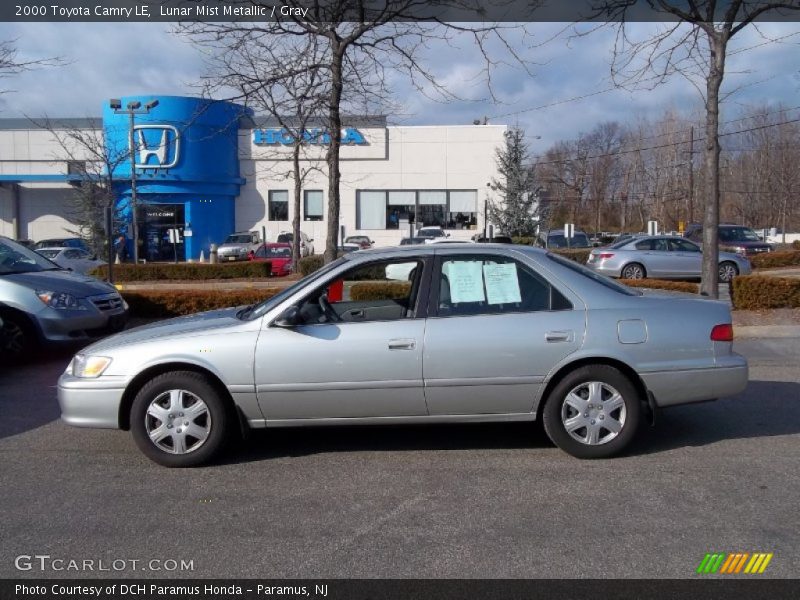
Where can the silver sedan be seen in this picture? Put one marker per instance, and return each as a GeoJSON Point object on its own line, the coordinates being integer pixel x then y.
{"type": "Point", "coordinates": [470, 333]}
{"type": "Point", "coordinates": [661, 257]}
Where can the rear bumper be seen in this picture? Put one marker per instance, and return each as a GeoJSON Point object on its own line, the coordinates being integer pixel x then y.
{"type": "Point", "coordinates": [602, 269]}
{"type": "Point", "coordinates": [671, 388]}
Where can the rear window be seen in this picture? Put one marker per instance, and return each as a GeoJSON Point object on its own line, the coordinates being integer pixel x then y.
{"type": "Point", "coordinates": [285, 238]}
{"type": "Point", "coordinates": [586, 272]}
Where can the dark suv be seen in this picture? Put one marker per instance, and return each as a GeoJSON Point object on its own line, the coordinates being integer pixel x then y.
{"type": "Point", "coordinates": [734, 238]}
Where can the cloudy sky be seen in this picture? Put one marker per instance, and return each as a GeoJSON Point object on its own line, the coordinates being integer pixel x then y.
{"type": "Point", "coordinates": [116, 59]}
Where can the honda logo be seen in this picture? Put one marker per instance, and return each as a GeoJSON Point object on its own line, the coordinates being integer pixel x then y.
{"type": "Point", "coordinates": [157, 146]}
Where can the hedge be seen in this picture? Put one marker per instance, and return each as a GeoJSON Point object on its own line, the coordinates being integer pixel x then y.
{"type": "Point", "coordinates": [161, 304]}
{"type": "Point", "coordinates": [579, 255]}
{"type": "Point", "coordinates": [524, 240]}
{"type": "Point", "coordinates": [186, 271]}
{"type": "Point", "coordinates": [769, 260]}
{"type": "Point", "coordinates": [309, 264]}
{"type": "Point", "coordinates": [661, 284]}
{"type": "Point", "coordinates": [754, 292]}
{"type": "Point", "coordinates": [796, 245]}
{"type": "Point", "coordinates": [390, 290]}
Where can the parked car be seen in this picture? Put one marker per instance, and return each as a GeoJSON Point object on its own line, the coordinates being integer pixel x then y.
{"type": "Point", "coordinates": [661, 257]}
{"type": "Point", "coordinates": [735, 238]}
{"type": "Point", "coordinates": [73, 242]}
{"type": "Point", "coordinates": [475, 333]}
{"type": "Point", "coordinates": [555, 239]}
{"type": "Point", "coordinates": [42, 303]}
{"type": "Point", "coordinates": [412, 241]}
{"type": "Point", "coordinates": [30, 244]}
{"type": "Point", "coordinates": [362, 241]}
{"type": "Point", "coordinates": [431, 232]}
{"type": "Point", "coordinates": [75, 259]}
{"type": "Point", "coordinates": [238, 246]}
{"type": "Point", "coordinates": [347, 248]}
{"type": "Point", "coordinates": [498, 239]}
{"type": "Point", "coordinates": [306, 247]}
{"type": "Point", "coordinates": [280, 255]}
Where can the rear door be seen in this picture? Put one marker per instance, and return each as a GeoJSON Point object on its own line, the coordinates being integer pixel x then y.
{"type": "Point", "coordinates": [688, 257]}
{"type": "Point", "coordinates": [495, 330]}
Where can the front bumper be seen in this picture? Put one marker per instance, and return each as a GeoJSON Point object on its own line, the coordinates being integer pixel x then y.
{"type": "Point", "coordinates": [671, 388]}
{"type": "Point", "coordinates": [90, 402]}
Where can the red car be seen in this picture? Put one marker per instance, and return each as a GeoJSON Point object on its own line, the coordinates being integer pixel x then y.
{"type": "Point", "coordinates": [280, 255]}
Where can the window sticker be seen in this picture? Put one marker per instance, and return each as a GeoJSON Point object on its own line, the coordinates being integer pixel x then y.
{"type": "Point", "coordinates": [502, 283]}
{"type": "Point", "coordinates": [466, 281]}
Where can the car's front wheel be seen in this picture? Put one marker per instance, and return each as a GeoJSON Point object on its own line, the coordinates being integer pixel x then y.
{"type": "Point", "coordinates": [16, 338]}
{"type": "Point", "coordinates": [593, 412]}
{"type": "Point", "coordinates": [727, 271]}
{"type": "Point", "coordinates": [179, 419]}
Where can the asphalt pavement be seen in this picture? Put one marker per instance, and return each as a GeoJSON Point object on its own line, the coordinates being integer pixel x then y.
{"type": "Point", "coordinates": [490, 500]}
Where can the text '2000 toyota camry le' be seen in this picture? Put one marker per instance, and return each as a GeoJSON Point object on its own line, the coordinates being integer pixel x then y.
{"type": "Point", "coordinates": [415, 334]}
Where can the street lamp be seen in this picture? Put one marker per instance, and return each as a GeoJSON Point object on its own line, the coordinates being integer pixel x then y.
{"type": "Point", "coordinates": [133, 108]}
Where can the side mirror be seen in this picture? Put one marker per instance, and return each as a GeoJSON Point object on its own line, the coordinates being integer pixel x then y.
{"type": "Point", "coordinates": [288, 318]}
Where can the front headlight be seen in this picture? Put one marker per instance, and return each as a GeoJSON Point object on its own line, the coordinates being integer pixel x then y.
{"type": "Point", "coordinates": [88, 366]}
{"type": "Point", "coordinates": [59, 300]}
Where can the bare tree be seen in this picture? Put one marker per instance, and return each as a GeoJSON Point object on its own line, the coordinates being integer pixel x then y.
{"type": "Point", "coordinates": [92, 163]}
{"type": "Point", "coordinates": [694, 45]}
{"type": "Point", "coordinates": [366, 38]}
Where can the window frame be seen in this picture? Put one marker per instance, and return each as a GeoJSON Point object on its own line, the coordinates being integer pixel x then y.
{"type": "Point", "coordinates": [269, 206]}
{"type": "Point", "coordinates": [417, 205]}
{"type": "Point", "coordinates": [433, 300]}
{"type": "Point", "coordinates": [305, 207]}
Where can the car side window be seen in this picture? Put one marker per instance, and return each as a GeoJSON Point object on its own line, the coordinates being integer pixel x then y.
{"type": "Point", "coordinates": [682, 246]}
{"type": "Point", "coordinates": [379, 291]}
{"type": "Point", "coordinates": [644, 245]}
{"type": "Point", "coordinates": [71, 254]}
{"type": "Point", "coordinates": [478, 285]}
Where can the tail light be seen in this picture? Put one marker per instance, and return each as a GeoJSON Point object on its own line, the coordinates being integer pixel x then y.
{"type": "Point", "coordinates": [604, 255]}
{"type": "Point", "coordinates": [722, 333]}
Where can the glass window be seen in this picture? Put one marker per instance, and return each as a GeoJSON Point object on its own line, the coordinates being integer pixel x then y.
{"type": "Point", "coordinates": [432, 207]}
{"type": "Point", "coordinates": [680, 245]}
{"type": "Point", "coordinates": [644, 245]}
{"type": "Point", "coordinates": [493, 285]}
{"type": "Point", "coordinates": [463, 210]}
{"type": "Point", "coordinates": [402, 209]}
{"type": "Point", "coordinates": [589, 274]}
{"type": "Point", "coordinates": [313, 205]}
{"type": "Point", "coordinates": [278, 205]}
{"type": "Point", "coordinates": [371, 210]}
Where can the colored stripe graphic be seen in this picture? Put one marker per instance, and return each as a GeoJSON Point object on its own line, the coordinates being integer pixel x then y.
{"type": "Point", "coordinates": [734, 563]}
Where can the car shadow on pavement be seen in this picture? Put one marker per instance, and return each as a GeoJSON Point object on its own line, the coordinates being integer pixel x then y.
{"type": "Point", "coordinates": [22, 405]}
{"type": "Point", "coordinates": [764, 409]}
{"type": "Point", "coordinates": [304, 441]}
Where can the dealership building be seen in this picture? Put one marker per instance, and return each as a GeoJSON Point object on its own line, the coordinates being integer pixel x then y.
{"type": "Point", "coordinates": [208, 168]}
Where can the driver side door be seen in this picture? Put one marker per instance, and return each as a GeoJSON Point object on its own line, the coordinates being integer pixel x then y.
{"type": "Point", "coordinates": [356, 350]}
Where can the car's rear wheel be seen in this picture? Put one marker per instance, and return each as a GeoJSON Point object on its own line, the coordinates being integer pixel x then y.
{"type": "Point", "coordinates": [179, 419]}
{"type": "Point", "coordinates": [634, 271]}
{"type": "Point", "coordinates": [727, 271]}
{"type": "Point", "coordinates": [593, 412]}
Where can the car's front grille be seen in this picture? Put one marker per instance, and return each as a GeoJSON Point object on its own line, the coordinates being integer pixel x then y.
{"type": "Point", "coordinates": [754, 250]}
{"type": "Point", "coordinates": [107, 302]}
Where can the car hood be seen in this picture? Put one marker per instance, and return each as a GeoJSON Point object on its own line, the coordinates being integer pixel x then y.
{"type": "Point", "coordinates": [746, 244]}
{"type": "Point", "coordinates": [74, 283]}
{"type": "Point", "coordinates": [205, 323]}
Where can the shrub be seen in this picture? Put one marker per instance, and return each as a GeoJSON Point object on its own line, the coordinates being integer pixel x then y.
{"type": "Point", "coordinates": [186, 271]}
{"type": "Point", "coordinates": [309, 264]}
{"type": "Point", "coordinates": [579, 255]}
{"type": "Point", "coordinates": [753, 292]}
{"type": "Point", "coordinates": [660, 284]}
{"type": "Point", "coordinates": [524, 240]}
{"type": "Point", "coordinates": [390, 290]}
{"type": "Point", "coordinates": [796, 245]}
{"type": "Point", "coordinates": [769, 260]}
{"type": "Point", "coordinates": [161, 304]}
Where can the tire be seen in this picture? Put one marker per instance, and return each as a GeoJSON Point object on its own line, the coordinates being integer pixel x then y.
{"type": "Point", "coordinates": [620, 405]}
{"type": "Point", "coordinates": [727, 271]}
{"type": "Point", "coordinates": [187, 414]}
{"type": "Point", "coordinates": [633, 271]}
{"type": "Point", "coordinates": [18, 339]}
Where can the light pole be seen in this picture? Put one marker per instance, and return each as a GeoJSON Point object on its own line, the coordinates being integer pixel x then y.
{"type": "Point", "coordinates": [133, 108]}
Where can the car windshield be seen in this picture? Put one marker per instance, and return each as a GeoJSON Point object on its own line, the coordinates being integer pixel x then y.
{"type": "Point", "coordinates": [257, 310]}
{"type": "Point", "coordinates": [622, 243]}
{"type": "Point", "coordinates": [430, 233]}
{"type": "Point", "coordinates": [356, 239]}
{"type": "Point", "coordinates": [557, 240]}
{"type": "Point", "coordinates": [15, 258]}
{"type": "Point", "coordinates": [586, 272]}
{"type": "Point", "coordinates": [738, 234]}
{"type": "Point", "coordinates": [49, 252]}
{"type": "Point", "coordinates": [238, 239]}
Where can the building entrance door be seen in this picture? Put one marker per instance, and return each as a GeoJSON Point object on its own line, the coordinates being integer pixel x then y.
{"type": "Point", "coordinates": [156, 222]}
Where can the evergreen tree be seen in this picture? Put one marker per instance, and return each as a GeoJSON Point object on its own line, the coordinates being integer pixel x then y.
{"type": "Point", "coordinates": [515, 213]}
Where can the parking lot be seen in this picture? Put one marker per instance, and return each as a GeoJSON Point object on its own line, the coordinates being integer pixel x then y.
{"type": "Point", "coordinates": [438, 501]}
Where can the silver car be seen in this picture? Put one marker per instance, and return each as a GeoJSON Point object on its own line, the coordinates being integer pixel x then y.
{"type": "Point", "coordinates": [661, 257]}
{"type": "Point", "coordinates": [471, 333]}
{"type": "Point", "coordinates": [42, 303]}
{"type": "Point", "coordinates": [74, 259]}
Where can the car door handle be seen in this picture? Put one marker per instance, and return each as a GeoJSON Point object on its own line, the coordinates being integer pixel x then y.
{"type": "Point", "coordinates": [558, 336]}
{"type": "Point", "coordinates": [402, 344]}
